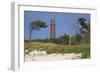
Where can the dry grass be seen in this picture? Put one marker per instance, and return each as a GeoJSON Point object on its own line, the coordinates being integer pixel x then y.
{"type": "Point", "coordinates": [56, 48]}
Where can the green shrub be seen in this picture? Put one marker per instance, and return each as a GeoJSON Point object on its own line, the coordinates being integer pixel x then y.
{"type": "Point", "coordinates": [85, 55]}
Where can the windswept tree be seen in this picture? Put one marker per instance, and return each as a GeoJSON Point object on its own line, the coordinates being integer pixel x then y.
{"type": "Point", "coordinates": [85, 29]}
{"type": "Point", "coordinates": [36, 25]}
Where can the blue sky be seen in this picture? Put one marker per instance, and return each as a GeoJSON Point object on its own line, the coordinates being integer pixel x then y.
{"type": "Point", "coordinates": [64, 23]}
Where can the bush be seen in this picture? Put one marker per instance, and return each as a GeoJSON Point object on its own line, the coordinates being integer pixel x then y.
{"type": "Point", "coordinates": [85, 55]}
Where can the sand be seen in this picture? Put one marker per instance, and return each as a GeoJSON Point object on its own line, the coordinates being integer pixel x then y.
{"type": "Point", "coordinates": [52, 57]}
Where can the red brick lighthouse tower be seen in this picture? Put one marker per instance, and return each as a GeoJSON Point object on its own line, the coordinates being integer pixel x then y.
{"type": "Point", "coordinates": [52, 30]}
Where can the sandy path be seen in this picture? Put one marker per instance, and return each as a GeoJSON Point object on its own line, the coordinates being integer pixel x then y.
{"type": "Point", "coordinates": [52, 57]}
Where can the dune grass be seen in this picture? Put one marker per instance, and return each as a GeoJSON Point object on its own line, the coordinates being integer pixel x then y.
{"type": "Point", "coordinates": [57, 48]}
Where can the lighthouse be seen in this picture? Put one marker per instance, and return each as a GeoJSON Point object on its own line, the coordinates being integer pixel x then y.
{"type": "Point", "coordinates": [52, 29]}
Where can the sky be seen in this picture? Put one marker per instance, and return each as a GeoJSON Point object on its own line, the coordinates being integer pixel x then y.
{"type": "Point", "coordinates": [65, 23]}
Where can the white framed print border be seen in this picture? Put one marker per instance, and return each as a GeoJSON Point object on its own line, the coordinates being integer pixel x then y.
{"type": "Point", "coordinates": [17, 36]}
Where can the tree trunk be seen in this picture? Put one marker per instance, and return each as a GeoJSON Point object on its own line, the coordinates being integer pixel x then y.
{"type": "Point", "coordinates": [30, 36]}
{"type": "Point", "coordinates": [69, 40]}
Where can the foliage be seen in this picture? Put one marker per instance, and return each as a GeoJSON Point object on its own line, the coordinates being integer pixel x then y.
{"type": "Point", "coordinates": [76, 39]}
{"type": "Point", "coordinates": [55, 48]}
{"type": "Point", "coordinates": [83, 24]}
{"type": "Point", "coordinates": [64, 39]}
{"type": "Point", "coordinates": [85, 55]}
{"type": "Point", "coordinates": [84, 30]}
{"type": "Point", "coordinates": [36, 25]}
